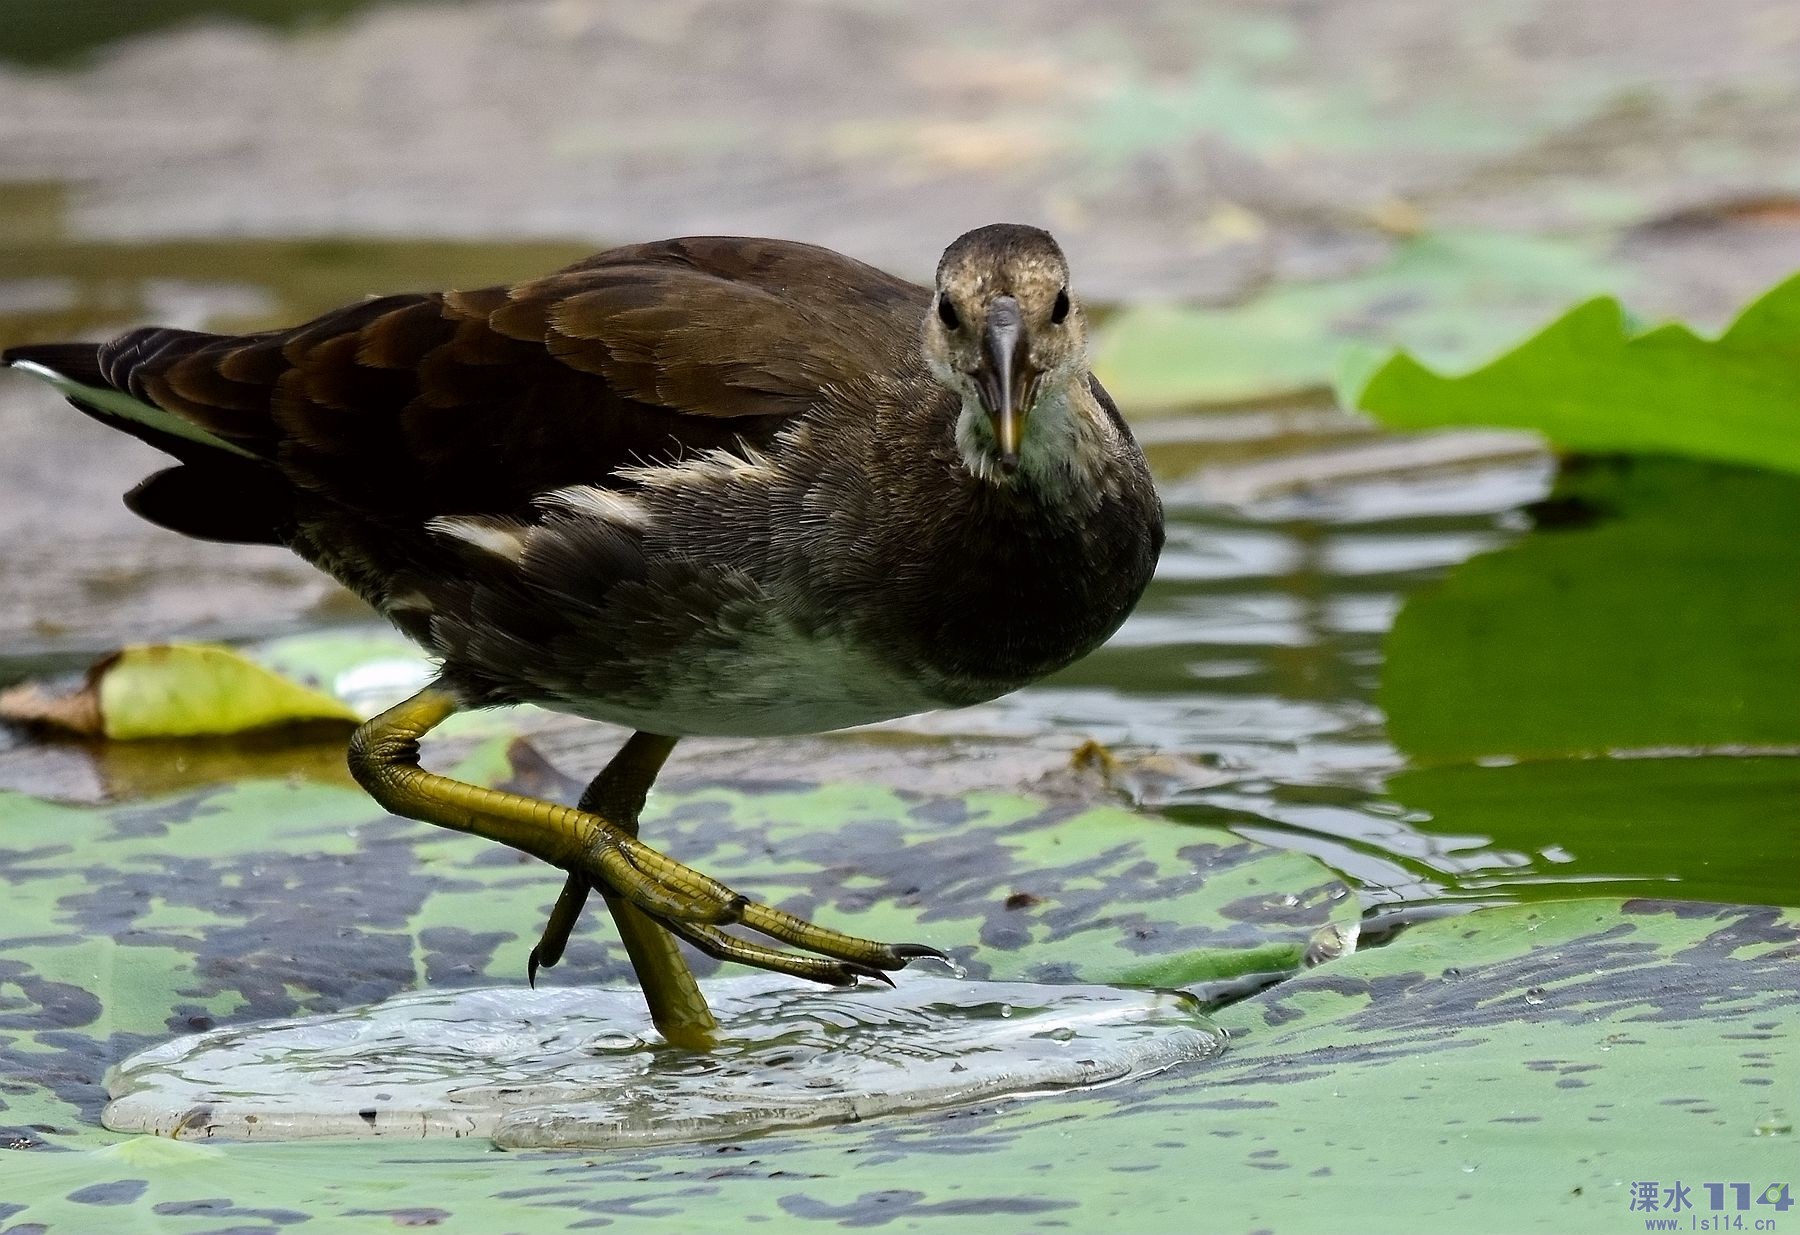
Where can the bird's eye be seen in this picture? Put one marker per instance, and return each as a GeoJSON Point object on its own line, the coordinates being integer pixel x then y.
{"type": "Point", "coordinates": [947, 312]}
{"type": "Point", "coordinates": [1060, 310]}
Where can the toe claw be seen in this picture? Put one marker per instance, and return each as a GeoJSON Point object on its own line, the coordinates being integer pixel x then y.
{"type": "Point", "coordinates": [905, 952]}
{"type": "Point", "coordinates": [849, 973]}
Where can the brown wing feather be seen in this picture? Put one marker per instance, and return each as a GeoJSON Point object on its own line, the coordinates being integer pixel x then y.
{"type": "Point", "coordinates": [474, 401]}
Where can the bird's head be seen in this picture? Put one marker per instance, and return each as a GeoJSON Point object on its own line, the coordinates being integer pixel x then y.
{"type": "Point", "coordinates": [1005, 334]}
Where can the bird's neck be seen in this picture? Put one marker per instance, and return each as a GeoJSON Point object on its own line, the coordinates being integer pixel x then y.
{"type": "Point", "coordinates": [1064, 450]}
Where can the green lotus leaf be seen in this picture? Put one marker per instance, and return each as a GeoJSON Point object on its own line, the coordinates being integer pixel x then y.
{"type": "Point", "coordinates": [1594, 381]}
{"type": "Point", "coordinates": [1575, 706]}
{"type": "Point", "coordinates": [1592, 634]}
{"type": "Point", "coordinates": [1697, 827]}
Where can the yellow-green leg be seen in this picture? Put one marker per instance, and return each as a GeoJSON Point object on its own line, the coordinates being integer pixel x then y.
{"type": "Point", "coordinates": [384, 758]}
{"type": "Point", "coordinates": [677, 1006]}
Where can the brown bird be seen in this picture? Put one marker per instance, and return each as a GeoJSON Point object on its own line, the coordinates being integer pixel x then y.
{"type": "Point", "coordinates": [713, 485]}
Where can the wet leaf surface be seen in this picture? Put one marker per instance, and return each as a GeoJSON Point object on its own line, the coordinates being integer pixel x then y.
{"type": "Point", "coordinates": [1519, 1067]}
{"type": "Point", "coordinates": [265, 898]}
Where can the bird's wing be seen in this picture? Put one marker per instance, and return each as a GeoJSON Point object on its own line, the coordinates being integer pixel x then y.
{"type": "Point", "coordinates": [475, 401]}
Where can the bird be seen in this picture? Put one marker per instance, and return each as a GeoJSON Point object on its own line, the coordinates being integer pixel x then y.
{"type": "Point", "coordinates": [712, 485]}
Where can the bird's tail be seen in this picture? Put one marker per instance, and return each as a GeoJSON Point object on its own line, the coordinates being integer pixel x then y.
{"type": "Point", "coordinates": [75, 370]}
{"type": "Point", "coordinates": [222, 491]}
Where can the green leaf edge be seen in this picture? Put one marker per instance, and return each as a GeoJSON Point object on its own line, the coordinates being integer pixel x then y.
{"type": "Point", "coordinates": [1372, 380]}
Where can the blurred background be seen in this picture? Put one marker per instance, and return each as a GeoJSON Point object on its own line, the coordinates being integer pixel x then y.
{"type": "Point", "coordinates": [1244, 188]}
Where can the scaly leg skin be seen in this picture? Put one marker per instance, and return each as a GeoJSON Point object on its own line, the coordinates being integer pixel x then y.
{"type": "Point", "coordinates": [384, 758]}
{"type": "Point", "coordinates": [677, 1007]}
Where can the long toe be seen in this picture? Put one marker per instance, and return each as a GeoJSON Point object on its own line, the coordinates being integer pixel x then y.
{"type": "Point", "coordinates": [725, 947]}
{"type": "Point", "coordinates": [664, 889]}
{"type": "Point", "coordinates": [796, 932]}
{"type": "Point", "coordinates": [678, 883]}
{"type": "Point", "coordinates": [693, 905]}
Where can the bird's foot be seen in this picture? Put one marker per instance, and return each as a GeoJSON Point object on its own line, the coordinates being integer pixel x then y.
{"type": "Point", "coordinates": [637, 880]}
{"type": "Point", "coordinates": [695, 907]}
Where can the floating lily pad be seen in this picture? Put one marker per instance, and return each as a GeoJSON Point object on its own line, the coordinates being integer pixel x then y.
{"type": "Point", "coordinates": [584, 1068]}
{"type": "Point", "coordinates": [1595, 381]}
{"type": "Point", "coordinates": [1520, 1068]}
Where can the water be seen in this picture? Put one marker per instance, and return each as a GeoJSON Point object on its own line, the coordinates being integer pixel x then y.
{"type": "Point", "coordinates": [581, 1067]}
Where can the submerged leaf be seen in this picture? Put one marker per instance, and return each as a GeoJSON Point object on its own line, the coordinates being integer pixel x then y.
{"type": "Point", "coordinates": [1657, 606]}
{"type": "Point", "coordinates": [174, 691]}
{"type": "Point", "coordinates": [1652, 614]}
{"type": "Point", "coordinates": [1595, 381]}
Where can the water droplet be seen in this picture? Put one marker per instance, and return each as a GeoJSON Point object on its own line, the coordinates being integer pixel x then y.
{"type": "Point", "coordinates": [613, 1044]}
{"type": "Point", "coordinates": [1534, 995]}
{"type": "Point", "coordinates": [945, 963]}
{"type": "Point", "coordinates": [1469, 1168]}
{"type": "Point", "coordinates": [1774, 1125]}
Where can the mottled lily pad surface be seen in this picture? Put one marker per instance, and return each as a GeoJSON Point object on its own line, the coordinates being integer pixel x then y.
{"type": "Point", "coordinates": [263, 899]}
{"type": "Point", "coordinates": [1519, 1068]}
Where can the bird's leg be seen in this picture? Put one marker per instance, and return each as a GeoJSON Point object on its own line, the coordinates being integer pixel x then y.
{"type": "Point", "coordinates": [618, 795]}
{"type": "Point", "coordinates": [384, 758]}
{"type": "Point", "coordinates": [677, 1006]}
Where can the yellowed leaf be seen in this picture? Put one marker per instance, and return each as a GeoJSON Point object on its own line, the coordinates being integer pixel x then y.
{"type": "Point", "coordinates": [189, 690]}
{"type": "Point", "coordinates": [173, 691]}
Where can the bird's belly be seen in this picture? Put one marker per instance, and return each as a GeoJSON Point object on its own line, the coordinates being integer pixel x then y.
{"type": "Point", "coordinates": [773, 679]}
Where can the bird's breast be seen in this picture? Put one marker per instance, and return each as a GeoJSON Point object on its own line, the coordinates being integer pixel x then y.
{"type": "Point", "coordinates": [770, 677]}
{"type": "Point", "coordinates": [1002, 596]}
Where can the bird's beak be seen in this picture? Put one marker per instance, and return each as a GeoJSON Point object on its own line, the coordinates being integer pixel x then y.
{"type": "Point", "coordinates": [1005, 379]}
